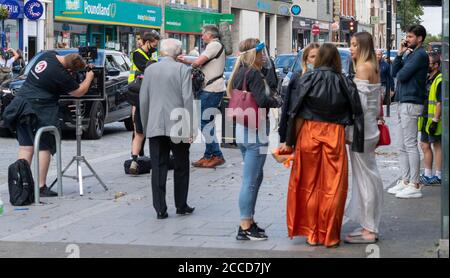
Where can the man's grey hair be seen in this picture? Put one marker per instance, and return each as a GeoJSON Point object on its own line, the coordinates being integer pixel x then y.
{"type": "Point", "coordinates": [213, 30]}
{"type": "Point", "coordinates": [171, 47]}
{"type": "Point", "coordinates": [379, 50]}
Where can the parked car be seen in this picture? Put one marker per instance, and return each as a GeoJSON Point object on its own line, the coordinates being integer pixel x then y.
{"type": "Point", "coordinates": [283, 64]}
{"type": "Point", "coordinates": [393, 54]}
{"type": "Point", "coordinates": [229, 66]}
{"type": "Point", "coordinates": [435, 47]}
{"type": "Point", "coordinates": [346, 61]}
{"type": "Point", "coordinates": [95, 113]}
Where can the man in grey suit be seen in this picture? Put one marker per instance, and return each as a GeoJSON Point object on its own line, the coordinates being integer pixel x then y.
{"type": "Point", "coordinates": [167, 103]}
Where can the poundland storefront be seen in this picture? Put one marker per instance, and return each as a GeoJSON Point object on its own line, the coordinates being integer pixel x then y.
{"type": "Point", "coordinates": [109, 24]}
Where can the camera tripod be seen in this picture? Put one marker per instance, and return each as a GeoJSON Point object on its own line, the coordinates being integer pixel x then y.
{"type": "Point", "coordinates": [79, 159]}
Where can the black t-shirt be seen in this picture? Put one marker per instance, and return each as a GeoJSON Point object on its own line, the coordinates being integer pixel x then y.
{"type": "Point", "coordinates": [48, 79]}
{"type": "Point", "coordinates": [140, 61]}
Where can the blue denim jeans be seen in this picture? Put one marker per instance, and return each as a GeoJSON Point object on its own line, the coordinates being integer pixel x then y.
{"type": "Point", "coordinates": [210, 100]}
{"type": "Point", "coordinates": [254, 152]}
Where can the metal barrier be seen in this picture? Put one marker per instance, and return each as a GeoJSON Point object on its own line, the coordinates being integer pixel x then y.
{"type": "Point", "coordinates": [53, 130]}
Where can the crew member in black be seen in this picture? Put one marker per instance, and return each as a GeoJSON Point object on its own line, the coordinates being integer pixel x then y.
{"type": "Point", "coordinates": [140, 59]}
{"type": "Point", "coordinates": [48, 78]}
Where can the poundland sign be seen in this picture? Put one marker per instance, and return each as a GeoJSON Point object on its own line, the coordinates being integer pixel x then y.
{"type": "Point", "coordinates": [107, 12]}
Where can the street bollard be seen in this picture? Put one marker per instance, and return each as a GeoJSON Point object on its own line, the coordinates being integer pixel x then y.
{"type": "Point", "coordinates": [53, 130]}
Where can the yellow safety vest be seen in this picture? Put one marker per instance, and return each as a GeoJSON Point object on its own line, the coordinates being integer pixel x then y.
{"type": "Point", "coordinates": [432, 104]}
{"type": "Point", "coordinates": [134, 68]}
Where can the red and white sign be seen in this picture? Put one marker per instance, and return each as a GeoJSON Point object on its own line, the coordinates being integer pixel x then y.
{"type": "Point", "coordinates": [315, 30]}
{"type": "Point", "coordinates": [40, 67]}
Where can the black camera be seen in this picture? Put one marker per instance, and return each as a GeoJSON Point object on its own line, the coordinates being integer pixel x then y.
{"type": "Point", "coordinates": [97, 88]}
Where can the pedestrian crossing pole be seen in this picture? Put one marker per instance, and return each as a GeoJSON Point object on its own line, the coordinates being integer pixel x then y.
{"type": "Point", "coordinates": [388, 47]}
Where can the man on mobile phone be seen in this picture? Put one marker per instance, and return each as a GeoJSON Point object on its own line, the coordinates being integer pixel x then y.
{"type": "Point", "coordinates": [411, 73]}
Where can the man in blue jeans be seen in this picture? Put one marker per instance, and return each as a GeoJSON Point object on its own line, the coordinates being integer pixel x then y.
{"type": "Point", "coordinates": [212, 64]}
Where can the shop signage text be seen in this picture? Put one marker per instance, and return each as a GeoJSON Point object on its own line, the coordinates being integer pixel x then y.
{"type": "Point", "coordinates": [183, 21]}
{"type": "Point", "coordinates": [14, 7]}
{"type": "Point", "coordinates": [108, 12]}
{"type": "Point", "coordinates": [33, 9]}
{"type": "Point", "coordinates": [263, 5]}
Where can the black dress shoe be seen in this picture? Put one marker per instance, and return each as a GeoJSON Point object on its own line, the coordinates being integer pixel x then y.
{"type": "Point", "coordinates": [163, 215]}
{"type": "Point", "coordinates": [46, 192]}
{"type": "Point", "coordinates": [186, 210]}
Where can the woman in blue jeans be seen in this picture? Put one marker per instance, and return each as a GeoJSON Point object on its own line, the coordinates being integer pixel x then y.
{"type": "Point", "coordinates": [253, 142]}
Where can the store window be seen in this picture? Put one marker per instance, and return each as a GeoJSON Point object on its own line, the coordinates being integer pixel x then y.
{"type": "Point", "coordinates": [12, 33]}
{"type": "Point", "coordinates": [70, 35]}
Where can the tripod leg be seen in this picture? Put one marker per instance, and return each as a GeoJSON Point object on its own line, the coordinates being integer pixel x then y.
{"type": "Point", "coordinates": [95, 174]}
{"type": "Point", "coordinates": [62, 173]}
{"type": "Point", "coordinates": [80, 178]}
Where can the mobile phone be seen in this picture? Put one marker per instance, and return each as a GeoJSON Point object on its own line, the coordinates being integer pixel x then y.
{"type": "Point", "coordinates": [405, 44]}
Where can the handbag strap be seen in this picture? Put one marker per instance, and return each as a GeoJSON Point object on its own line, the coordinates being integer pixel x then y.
{"type": "Point", "coordinates": [244, 85]}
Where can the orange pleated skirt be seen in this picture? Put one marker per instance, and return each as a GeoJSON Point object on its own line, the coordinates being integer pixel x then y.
{"type": "Point", "coordinates": [318, 184]}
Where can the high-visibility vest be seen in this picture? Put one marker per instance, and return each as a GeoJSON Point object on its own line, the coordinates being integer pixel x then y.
{"type": "Point", "coordinates": [432, 105]}
{"type": "Point", "coordinates": [134, 68]}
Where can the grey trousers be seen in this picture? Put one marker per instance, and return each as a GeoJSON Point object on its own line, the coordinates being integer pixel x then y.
{"type": "Point", "coordinates": [408, 115]}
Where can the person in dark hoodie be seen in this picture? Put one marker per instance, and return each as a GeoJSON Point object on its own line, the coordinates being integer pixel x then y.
{"type": "Point", "coordinates": [322, 103]}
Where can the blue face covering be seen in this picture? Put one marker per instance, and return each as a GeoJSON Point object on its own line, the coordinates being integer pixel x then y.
{"type": "Point", "coordinates": [310, 67]}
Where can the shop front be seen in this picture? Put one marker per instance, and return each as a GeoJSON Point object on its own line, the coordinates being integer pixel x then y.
{"type": "Point", "coordinates": [107, 24]}
{"type": "Point", "coordinates": [324, 35]}
{"type": "Point", "coordinates": [12, 27]}
{"type": "Point", "coordinates": [302, 35]}
{"type": "Point", "coordinates": [186, 25]}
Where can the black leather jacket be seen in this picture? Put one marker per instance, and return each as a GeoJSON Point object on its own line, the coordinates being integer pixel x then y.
{"type": "Point", "coordinates": [324, 95]}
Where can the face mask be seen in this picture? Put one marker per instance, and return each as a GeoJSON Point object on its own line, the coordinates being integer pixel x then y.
{"type": "Point", "coordinates": [310, 67]}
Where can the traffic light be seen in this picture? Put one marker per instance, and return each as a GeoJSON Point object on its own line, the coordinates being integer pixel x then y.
{"type": "Point", "coordinates": [353, 26]}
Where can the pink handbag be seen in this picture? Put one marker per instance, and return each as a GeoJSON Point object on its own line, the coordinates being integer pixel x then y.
{"type": "Point", "coordinates": [241, 105]}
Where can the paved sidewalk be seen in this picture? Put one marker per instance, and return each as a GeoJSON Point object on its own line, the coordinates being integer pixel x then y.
{"type": "Point", "coordinates": [106, 224]}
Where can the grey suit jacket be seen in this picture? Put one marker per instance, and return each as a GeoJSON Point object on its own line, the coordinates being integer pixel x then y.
{"type": "Point", "coordinates": [167, 100]}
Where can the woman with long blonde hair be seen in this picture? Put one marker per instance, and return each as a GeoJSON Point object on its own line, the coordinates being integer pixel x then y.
{"type": "Point", "coordinates": [367, 187]}
{"type": "Point", "coordinates": [252, 142]}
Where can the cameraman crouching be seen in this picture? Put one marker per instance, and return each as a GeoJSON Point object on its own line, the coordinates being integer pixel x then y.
{"type": "Point", "coordinates": [49, 77]}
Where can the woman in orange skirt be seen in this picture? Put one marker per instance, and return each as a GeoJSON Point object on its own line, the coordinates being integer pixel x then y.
{"type": "Point", "coordinates": [324, 104]}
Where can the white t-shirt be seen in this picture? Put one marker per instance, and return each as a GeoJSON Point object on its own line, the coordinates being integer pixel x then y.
{"type": "Point", "coordinates": [215, 67]}
{"type": "Point", "coordinates": [9, 63]}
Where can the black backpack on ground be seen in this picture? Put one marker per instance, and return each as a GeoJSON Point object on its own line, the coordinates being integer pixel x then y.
{"type": "Point", "coordinates": [145, 165]}
{"type": "Point", "coordinates": [20, 183]}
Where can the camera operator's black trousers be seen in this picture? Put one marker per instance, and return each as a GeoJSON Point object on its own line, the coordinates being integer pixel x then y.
{"type": "Point", "coordinates": [160, 148]}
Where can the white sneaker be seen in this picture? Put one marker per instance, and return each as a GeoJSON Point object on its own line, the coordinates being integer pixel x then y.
{"type": "Point", "coordinates": [411, 192]}
{"type": "Point", "coordinates": [397, 188]}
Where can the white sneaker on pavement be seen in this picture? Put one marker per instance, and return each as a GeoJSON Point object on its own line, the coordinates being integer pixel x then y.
{"type": "Point", "coordinates": [397, 188]}
{"type": "Point", "coordinates": [411, 192]}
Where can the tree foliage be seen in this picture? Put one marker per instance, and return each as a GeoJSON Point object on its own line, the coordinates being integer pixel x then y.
{"type": "Point", "coordinates": [409, 12]}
